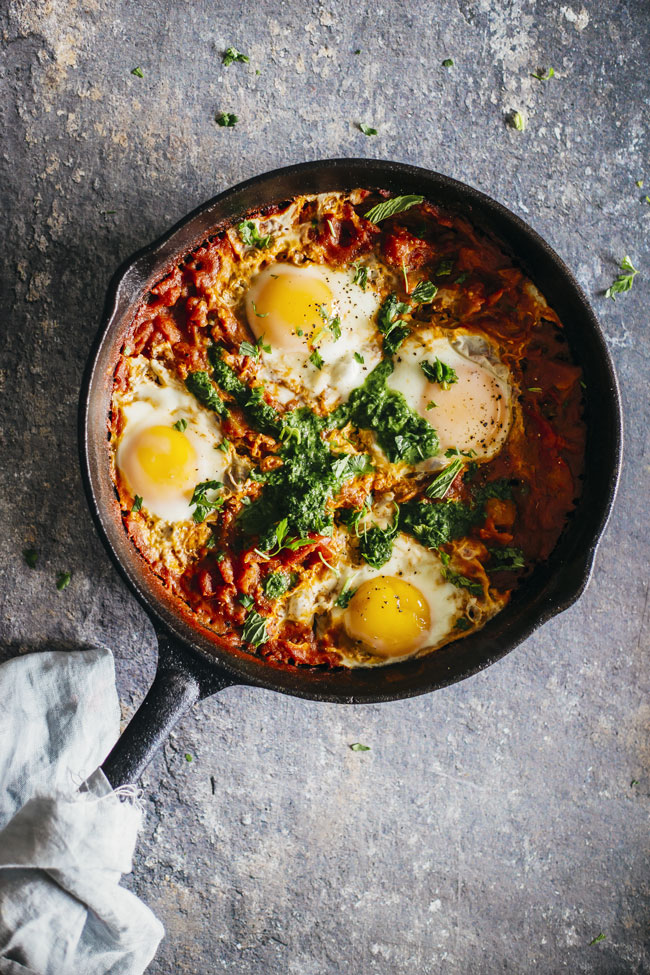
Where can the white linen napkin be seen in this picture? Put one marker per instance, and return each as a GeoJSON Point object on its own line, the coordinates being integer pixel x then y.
{"type": "Point", "coordinates": [63, 851]}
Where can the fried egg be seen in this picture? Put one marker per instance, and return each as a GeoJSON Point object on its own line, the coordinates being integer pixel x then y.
{"type": "Point", "coordinates": [472, 414]}
{"type": "Point", "coordinates": [319, 325]}
{"type": "Point", "coordinates": [400, 609]}
{"type": "Point", "coordinates": [167, 444]}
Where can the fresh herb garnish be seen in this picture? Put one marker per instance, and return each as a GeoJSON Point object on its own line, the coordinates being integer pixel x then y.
{"type": "Point", "coordinates": [316, 359]}
{"type": "Point", "coordinates": [461, 277]}
{"type": "Point", "coordinates": [203, 504]}
{"type": "Point", "coordinates": [231, 55]}
{"type": "Point", "coordinates": [277, 583]}
{"type": "Point", "coordinates": [359, 358]}
{"type": "Point", "coordinates": [376, 544]}
{"type": "Point", "coordinates": [424, 292]}
{"type": "Point", "coordinates": [390, 207]}
{"type": "Point", "coordinates": [462, 582]}
{"type": "Point", "coordinates": [439, 372]}
{"type": "Point", "coordinates": [254, 631]}
{"type": "Point", "coordinates": [624, 281]}
{"type": "Point", "coordinates": [360, 276]}
{"type": "Point", "coordinates": [506, 559]}
{"type": "Point", "coordinates": [262, 416]}
{"type": "Point", "coordinates": [138, 72]}
{"type": "Point", "coordinates": [260, 314]}
{"type": "Point", "coordinates": [401, 432]}
{"type": "Point", "coordinates": [358, 747]}
{"type": "Point", "coordinates": [390, 324]}
{"type": "Point", "coordinates": [246, 600]}
{"type": "Point", "coordinates": [442, 482]}
{"type": "Point", "coordinates": [534, 389]}
{"type": "Point", "coordinates": [367, 129]}
{"type": "Point", "coordinates": [599, 937]}
{"type": "Point", "coordinates": [544, 76]}
{"type": "Point", "coordinates": [462, 623]}
{"type": "Point", "coordinates": [30, 556]}
{"type": "Point", "coordinates": [444, 268]}
{"type": "Point", "coordinates": [224, 445]}
{"type": "Point", "coordinates": [517, 121]}
{"type": "Point", "coordinates": [181, 425]}
{"type": "Point", "coordinates": [431, 405]}
{"type": "Point", "coordinates": [250, 235]}
{"type": "Point", "coordinates": [226, 119]}
{"type": "Point", "coordinates": [448, 63]}
{"type": "Point", "coordinates": [200, 385]}
{"type": "Point", "coordinates": [345, 595]}
{"type": "Point", "coordinates": [455, 452]}
{"type": "Point", "coordinates": [63, 580]}
{"type": "Point", "coordinates": [253, 351]}
{"type": "Point", "coordinates": [436, 524]}
{"type": "Point", "coordinates": [137, 504]}
{"type": "Point", "coordinates": [284, 540]}
{"type": "Point", "coordinates": [332, 322]}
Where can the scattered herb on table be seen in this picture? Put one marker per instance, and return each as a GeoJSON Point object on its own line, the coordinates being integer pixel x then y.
{"type": "Point", "coordinates": [138, 72]}
{"type": "Point", "coordinates": [517, 121]}
{"type": "Point", "coordinates": [624, 280]}
{"type": "Point", "coordinates": [188, 757]}
{"type": "Point", "coordinates": [448, 63]}
{"type": "Point", "coordinates": [367, 129]}
{"type": "Point", "coordinates": [599, 937]}
{"type": "Point", "coordinates": [63, 580]}
{"type": "Point", "coordinates": [231, 55]}
{"type": "Point", "coordinates": [226, 119]}
{"type": "Point", "coordinates": [358, 747]}
{"type": "Point", "coordinates": [544, 75]}
{"type": "Point", "coordinates": [30, 556]}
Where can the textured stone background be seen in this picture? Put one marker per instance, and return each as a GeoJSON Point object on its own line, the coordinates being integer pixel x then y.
{"type": "Point", "coordinates": [492, 827]}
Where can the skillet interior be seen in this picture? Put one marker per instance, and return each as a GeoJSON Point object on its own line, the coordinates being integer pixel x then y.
{"type": "Point", "coordinates": [551, 588]}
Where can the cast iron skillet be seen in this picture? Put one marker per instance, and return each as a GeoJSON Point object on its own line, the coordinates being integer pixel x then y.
{"type": "Point", "coordinates": [191, 666]}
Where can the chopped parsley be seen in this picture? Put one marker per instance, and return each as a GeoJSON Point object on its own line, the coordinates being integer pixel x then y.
{"type": "Point", "coordinates": [202, 504]}
{"type": "Point", "coordinates": [138, 72]}
{"type": "Point", "coordinates": [506, 559]}
{"type": "Point", "coordinates": [624, 280]}
{"type": "Point", "coordinates": [137, 504]}
{"type": "Point", "coordinates": [424, 292]}
{"type": "Point", "coordinates": [390, 207]}
{"type": "Point", "coordinates": [367, 129]}
{"type": "Point", "coordinates": [359, 358]}
{"type": "Point", "coordinates": [544, 76]}
{"type": "Point", "coordinates": [401, 432]}
{"type": "Point", "coordinates": [436, 524]}
{"type": "Point", "coordinates": [390, 325]}
{"type": "Point", "coordinates": [462, 582]}
{"type": "Point", "coordinates": [345, 595]}
{"type": "Point", "coordinates": [439, 372]}
{"type": "Point", "coordinates": [332, 322]}
{"type": "Point", "coordinates": [231, 55]}
{"type": "Point", "coordinates": [443, 481]}
{"type": "Point", "coordinates": [376, 544]}
{"type": "Point", "coordinates": [360, 276]}
{"type": "Point", "coordinates": [30, 556]}
{"type": "Point", "coordinates": [247, 348]}
{"type": "Point", "coordinates": [277, 583]}
{"type": "Point", "coordinates": [63, 580]}
{"type": "Point", "coordinates": [199, 384]}
{"type": "Point", "coordinates": [250, 235]}
{"type": "Point", "coordinates": [188, 757]}
{"type": "Point", "coordinates": [254, 631]}
{"type": "Point", "coordinates": [358, 747]}
{"type": "Point", "coordinates": [284, 540]}
{"type": "Point", "coordinates": [181, 425]}
{"type": "Point", "coordinates": [227, 120]}
{"type": "Point", "coordinates": [246, 600]}
{"type": "Point", "coordinates": [316, 359]}
{"type": "Point", "coordinates": [224, 445]}
{"type": "Point", "coordinates": [262, 416]}
{"type": "Point", "coordinates": [448, 63]}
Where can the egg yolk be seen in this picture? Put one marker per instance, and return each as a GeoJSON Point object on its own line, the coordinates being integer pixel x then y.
{"type": "Point", "coordinates": [159, 461]}
{"type": "Point", "coordinates": [286, 309]}
{"type": "Point", "coordinates": [389, 616]}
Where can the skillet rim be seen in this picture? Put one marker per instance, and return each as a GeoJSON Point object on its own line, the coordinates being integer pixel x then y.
{"type": "Point", "coordinates": [463, 658]}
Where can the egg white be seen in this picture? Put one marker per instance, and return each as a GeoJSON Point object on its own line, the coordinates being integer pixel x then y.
{"type": "Point", "coordinates": [289, 360]}
{"type": "Point", "coordinates": [157, 398]}
{"type": "Point", "coordinates": [475, 413]}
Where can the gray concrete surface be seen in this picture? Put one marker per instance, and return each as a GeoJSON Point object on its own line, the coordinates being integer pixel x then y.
{"type": "Point", "coordinates": [493, 826]}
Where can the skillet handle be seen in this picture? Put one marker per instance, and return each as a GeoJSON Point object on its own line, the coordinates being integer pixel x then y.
{"type": "Point", "coordinates": [176, 687]}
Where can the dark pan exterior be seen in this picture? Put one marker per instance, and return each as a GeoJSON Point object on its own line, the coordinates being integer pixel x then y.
{"type": "Point", "coordinates": [552, 587]}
